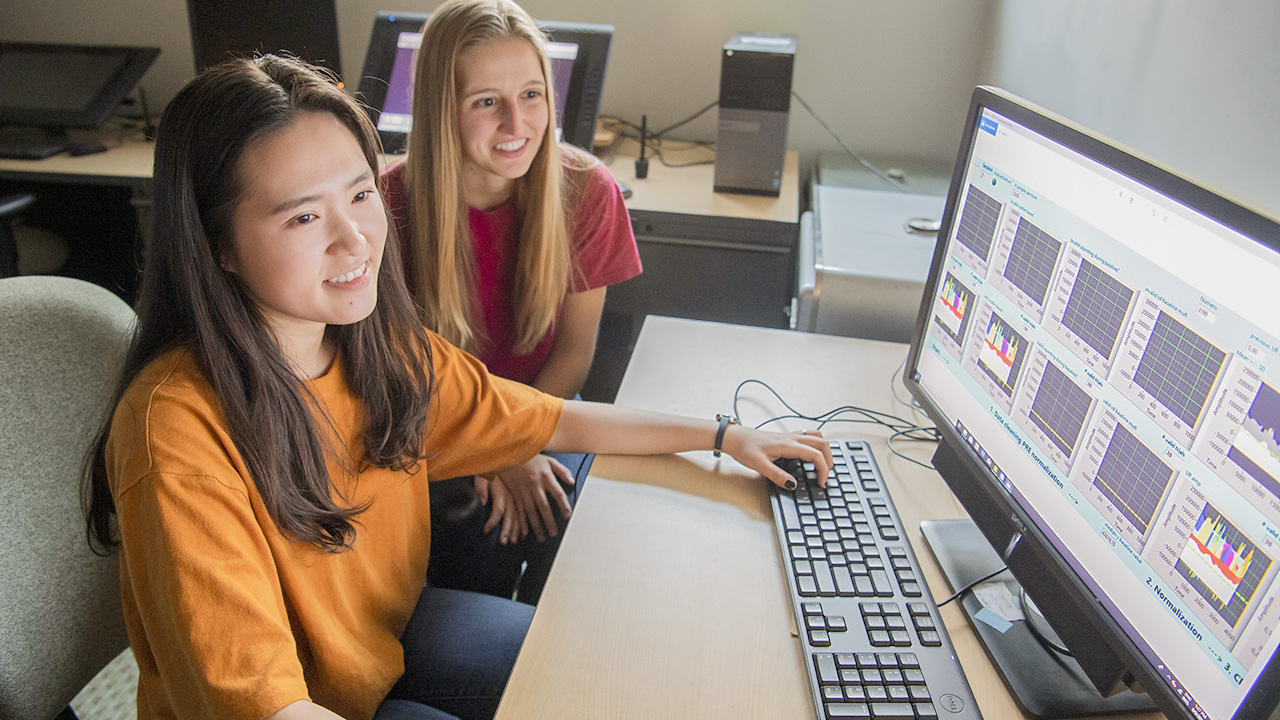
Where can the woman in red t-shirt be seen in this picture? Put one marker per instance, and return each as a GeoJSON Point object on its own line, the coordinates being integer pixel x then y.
{"type": "Point", "coordinates": [511, 239]}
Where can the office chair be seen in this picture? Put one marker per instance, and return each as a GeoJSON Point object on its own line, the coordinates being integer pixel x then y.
{"type": "Point", "coordinates": [11, 207]}
{"type": "Point", "coordinates": [62, 342]}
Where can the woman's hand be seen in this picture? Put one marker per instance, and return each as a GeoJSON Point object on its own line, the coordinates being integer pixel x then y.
{"type": "Point", "coordinates": [757, 449]}
{"type": "Point", "coordinates": [526, 493]}
{"type": "Point", "coordinates": [501, 511]}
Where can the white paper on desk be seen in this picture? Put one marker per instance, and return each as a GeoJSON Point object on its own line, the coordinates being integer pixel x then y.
{"type": "Point", "coordinates": [995, 596]}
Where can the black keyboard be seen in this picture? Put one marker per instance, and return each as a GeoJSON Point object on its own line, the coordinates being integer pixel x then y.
{"type": "Point", "coordinates": [873, 639]}
{"type": "Point", "coordinates": [30, 149]}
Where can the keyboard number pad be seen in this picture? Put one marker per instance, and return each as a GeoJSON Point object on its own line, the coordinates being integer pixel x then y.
{"type": "Point", "coordinates": [873, 685]}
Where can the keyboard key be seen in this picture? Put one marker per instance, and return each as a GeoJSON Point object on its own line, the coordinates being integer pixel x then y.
{"type": "Point", "coordinates": [806, 586]}
{"type": "Point", "coordinates": [790, 518]}
{"type": "Point", "coordinates": [892, 710]}
{"type": "Point", "coordinates": [825, 664]}
{"type": "Point", "coordinates": [848, 710]}
{"type": "Point", "coordinates": [876, 621]}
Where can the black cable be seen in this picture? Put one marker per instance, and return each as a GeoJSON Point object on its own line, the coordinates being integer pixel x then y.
{"type": "Point", "coordinates": [900, 427]}
{"type": "Point", "coordinates": [1033, 626]}
{"type": "Point", "coordinates": [654, 143]}
{"type": "Point", "coordinates": [893, 388]}
{"type": "Point", "coordinates": [863, 161]}
{"type": "Point", "coordinates": [658, 135]}
{"type": "Point", "coordinates": [972, 585]}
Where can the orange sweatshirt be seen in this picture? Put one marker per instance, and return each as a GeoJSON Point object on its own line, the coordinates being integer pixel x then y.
{"type": "Point", "coordinates": [229, 618]}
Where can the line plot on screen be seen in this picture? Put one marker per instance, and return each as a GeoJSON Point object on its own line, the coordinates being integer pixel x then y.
{"type": "Point", "coordinates": [1256, 448]}
{"type": "Point", "coordinates": [1096, 308]}
{"type": "Point", "coordinates": [1031, 260]}
{"type": "Point", "coordinates": [1133, 478]}
{"type": "Point", "coordinates": [978, 223]}
{"type": "Point", "coordinates": [1060, 408]}
{"type": "Point", "coordinates": [1179, 368]}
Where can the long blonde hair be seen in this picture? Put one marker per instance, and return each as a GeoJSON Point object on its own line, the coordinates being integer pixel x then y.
{"type": "Point", "coordinates": [438, 214]}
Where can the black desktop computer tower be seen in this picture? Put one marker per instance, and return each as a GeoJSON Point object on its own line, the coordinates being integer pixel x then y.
{"type": "Point", "coordinates": [755, 101]}
{"type": "Point", "coordinates": [221, 29]}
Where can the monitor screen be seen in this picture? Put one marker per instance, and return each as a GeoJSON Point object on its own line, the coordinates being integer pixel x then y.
{"type": "Point", "coordinates": [1100, 348]}
{"type": "Point", "coordinates": [579, 54]}
{"type": "Point", "coordinates": [223, 29]}
{"type": "Point", "coordinates": [66, 86]}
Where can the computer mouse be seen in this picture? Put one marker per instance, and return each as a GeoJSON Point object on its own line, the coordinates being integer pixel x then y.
{"type": "Point", "coordinates": [923, 226]}
{"type": "Point", "coordinates": [85, 148]}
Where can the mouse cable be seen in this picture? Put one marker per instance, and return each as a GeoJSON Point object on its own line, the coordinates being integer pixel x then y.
{"type": "Point", "coordinates": [863, 161]}
{"type": "Point", "coordinates": [893, 388]}
{"type": "Point", "coordinates": [900, 427]}
{"type": "Point", "coordinates": [887, 420]}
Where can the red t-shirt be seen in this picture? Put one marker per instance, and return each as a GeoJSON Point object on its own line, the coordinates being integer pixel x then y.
{"type": "Point", "coordinates": [601, 241]}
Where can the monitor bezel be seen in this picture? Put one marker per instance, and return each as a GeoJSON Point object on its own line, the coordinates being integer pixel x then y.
{"type": "Point", "coordinates": [137, 60]}
{"type": "Point", "coordinates": [578, 125]}
{"type": "Point", "coordinates": [1106, 654]}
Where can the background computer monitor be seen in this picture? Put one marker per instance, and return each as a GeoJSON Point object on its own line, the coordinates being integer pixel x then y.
{"type": "Point", "coordinates": [57, 86]}
{"type": "Point", "coordinates": [222, 29]}
{"type": "Point", "coordinates": [579, 55]}
{"type": "Point", "coordinates": [1099, 345]}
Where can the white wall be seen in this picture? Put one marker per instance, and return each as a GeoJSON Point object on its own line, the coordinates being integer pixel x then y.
{"type": "Point", "coordinates": [892, 77]}
{"type": "Point", "coordinates": [1193, 85]}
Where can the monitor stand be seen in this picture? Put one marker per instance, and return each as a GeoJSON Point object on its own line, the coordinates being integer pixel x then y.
{"type": "Point", "coordinates": [1043, 682]}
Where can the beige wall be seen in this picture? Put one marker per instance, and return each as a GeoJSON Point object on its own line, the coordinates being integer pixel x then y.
{"type": "Point", "coordinates": [1191, 84]}
{"type": "Point", "coordinates": [892, 77]}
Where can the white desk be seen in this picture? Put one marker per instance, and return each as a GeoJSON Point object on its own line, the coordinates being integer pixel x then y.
{"type": "Point", "coordinates": [667, 599]}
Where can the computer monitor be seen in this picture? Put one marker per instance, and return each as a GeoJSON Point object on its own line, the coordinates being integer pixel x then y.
{"type": "Point", "coordinates": [1099, 345]}
{"type": "Point", "coordinates": [223, 29]}
{"type": "Point", "coordinates": [58, 86]}
{"type": "Point", "coordinates": [579, 54]}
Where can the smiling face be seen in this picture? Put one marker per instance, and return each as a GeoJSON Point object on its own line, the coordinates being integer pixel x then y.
{"type": "Point", "coordinates": [308, 232]}
{"type": "Point", "coordinates": [503, 114]}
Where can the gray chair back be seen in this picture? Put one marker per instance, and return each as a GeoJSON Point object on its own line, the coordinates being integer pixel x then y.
{"type": "Point", "coordinates": [62, 343]}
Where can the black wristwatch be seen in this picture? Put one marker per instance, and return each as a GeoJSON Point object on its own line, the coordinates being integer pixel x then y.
{"type": "Point", "coordinates": [725, 422]}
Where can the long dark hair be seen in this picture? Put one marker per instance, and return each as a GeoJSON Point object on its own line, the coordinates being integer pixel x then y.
{"type": "Point", "coordinates": [187, 300]}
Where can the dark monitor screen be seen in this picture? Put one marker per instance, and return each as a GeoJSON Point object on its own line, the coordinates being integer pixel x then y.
{"type": "Point", "coordinates": [579, 54]}
{"type": "Point", "coordinates": [67, 86]}
{"type": "Point", "coordinates": [1099, 345]}
{"type": "Point", "coordinates": [223, 29]}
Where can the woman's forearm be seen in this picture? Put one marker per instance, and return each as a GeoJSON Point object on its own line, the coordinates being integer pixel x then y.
{"type": "Point", "coordinates": [610, 429]}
